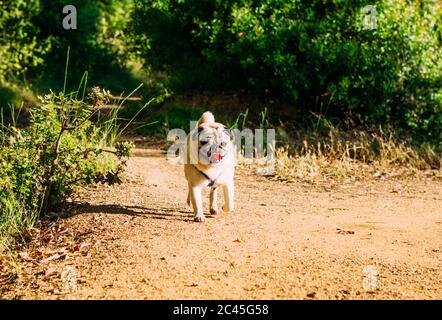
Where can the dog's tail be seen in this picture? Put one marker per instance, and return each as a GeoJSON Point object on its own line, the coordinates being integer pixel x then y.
{"type": "Point", "coordinates": [207, 117]}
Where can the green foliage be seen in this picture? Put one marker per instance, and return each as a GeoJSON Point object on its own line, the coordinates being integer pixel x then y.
{"type": "Point", "coordinates": [314, 53]}
{"type": "Point", "coordinates": [317, 54]}
{"type": "Point", "coordinates": [33, 43]}
{"type": "Point", "coordinates": [8, 96]}
{"type": "Point", "coordinates": [59, 150]}
{"type": "Point", "coordinates": [96, 46]}
{"type": "Point", "coordinates": [19, 46]}
{"type": "Point", "coordinates": [165, 34]}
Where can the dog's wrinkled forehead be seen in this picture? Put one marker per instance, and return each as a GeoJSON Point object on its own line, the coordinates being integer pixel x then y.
{"type": "Point", "coordinates": [216, 134]}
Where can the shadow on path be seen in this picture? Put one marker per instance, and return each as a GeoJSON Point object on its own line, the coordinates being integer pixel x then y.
{"type": "Point", "coordinates": [134, 211]}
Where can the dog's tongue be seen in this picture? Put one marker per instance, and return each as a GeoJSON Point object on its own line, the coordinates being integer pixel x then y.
{"type": "Point", "coordinates": [216, 156]}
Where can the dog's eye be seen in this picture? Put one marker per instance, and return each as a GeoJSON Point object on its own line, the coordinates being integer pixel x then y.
{"type": "Point", "coordinates": [203, 142]}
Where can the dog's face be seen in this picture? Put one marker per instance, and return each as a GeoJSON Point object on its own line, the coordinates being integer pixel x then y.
{"type": "Point", "coordinates": [214, 143]}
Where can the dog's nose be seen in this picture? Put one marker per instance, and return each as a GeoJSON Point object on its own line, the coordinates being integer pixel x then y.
{"type": "Point", "coordinates": [215, 154]}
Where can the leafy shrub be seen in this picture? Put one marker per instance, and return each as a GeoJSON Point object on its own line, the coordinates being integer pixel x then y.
{"type": "Point", "coordinates": [316, 54]}
{"type": "Point", "coordinates": [33, 43]}
{"type": "Point", "coordinates": [97, 46]}
{"type": "Point", "coordinates": [19, 47]}
{"type": "Point", "coordinates": [59, 150]}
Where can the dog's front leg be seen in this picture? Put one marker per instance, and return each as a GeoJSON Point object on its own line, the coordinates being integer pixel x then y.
{"type": "Point", "coordinates": [229, 193]}
{"type": "Point", "coordinates": [197, 203]}
{"type": "Point", "coordinates": [214, 201]}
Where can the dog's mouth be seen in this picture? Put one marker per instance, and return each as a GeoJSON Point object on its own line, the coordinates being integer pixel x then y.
{"type": "Point", "coordinates": [215, 153]}
{"type": "Point", "coordinates": [212, 152]}
{"type": "Point", "coordinates": [215, 156]}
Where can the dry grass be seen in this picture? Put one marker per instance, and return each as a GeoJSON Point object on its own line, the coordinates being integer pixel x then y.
{"type": "Point", "coordinates": [327, 152]}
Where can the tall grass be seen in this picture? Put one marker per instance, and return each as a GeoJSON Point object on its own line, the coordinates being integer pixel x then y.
{"type": "Point", "coordinates": [321, 150]}
{"type": "Point", "coordinates": [14, 218]}
{"type": "Point", "coordinates": [325, 151]}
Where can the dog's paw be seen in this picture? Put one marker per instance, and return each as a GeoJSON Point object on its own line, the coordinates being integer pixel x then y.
{"type": "Point", "coordinates": [227, 208]}
{"type": "Point", "coordinates": [199, 218]}
{"type": "Point", "coordinates": [214, 211]}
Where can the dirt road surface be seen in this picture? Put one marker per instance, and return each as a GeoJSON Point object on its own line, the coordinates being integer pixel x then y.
{"type": "Point", "coordinates": [137, 240]}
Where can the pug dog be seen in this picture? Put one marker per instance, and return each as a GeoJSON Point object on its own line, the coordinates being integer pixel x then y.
{"type": "Point", "coordinates": [209, 164]}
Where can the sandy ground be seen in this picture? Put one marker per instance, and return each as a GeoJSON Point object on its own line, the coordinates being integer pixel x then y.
{"type": "Point", "coordinates": [137, 240]}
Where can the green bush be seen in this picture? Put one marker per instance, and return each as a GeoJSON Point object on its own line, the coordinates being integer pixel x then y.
{"type": "Point", "coordinates": [19, 46]}
{"type": "Point", "coordinates": [97, 46]}
{"type": "Point", "coordinates": [315, 53]}
{"type": "Point", "coordinates": [61, 148]}
{"type": "Point", "coordinates": [33, 43]}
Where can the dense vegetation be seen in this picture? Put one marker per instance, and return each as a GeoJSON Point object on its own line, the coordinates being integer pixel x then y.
{"type": "Point", "coordinates": [318, 55]}
{"type": "Point", "coordinates": [33, 44]}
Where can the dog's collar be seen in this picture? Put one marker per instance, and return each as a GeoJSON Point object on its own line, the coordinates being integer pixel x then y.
{"type": "Point", "coordinates": [211, 181]}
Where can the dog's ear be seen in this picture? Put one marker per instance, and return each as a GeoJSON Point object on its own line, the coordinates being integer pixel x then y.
{"type": "Point", "coordinates": [197, 132]}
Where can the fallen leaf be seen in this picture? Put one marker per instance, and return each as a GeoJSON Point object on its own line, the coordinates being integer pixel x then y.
{"type": "Point", "coordinates": [79, 246]}
{"type": "Point", "coordinates": [59, 250]}
{"type": "Point", "coordinates": [50, 271]}
{"type": "Point", "coordinates": [237, 241]}
{"type": "Point", "coordinates": [54, 257]}
{"type": "Point", "coordinates": [25, 256]}
{"type": "Point", "coordinates": [38, 253]}
{"type": "Point", "coordinates": [48, 238]}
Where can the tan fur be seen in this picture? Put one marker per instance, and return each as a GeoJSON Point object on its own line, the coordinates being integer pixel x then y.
{"type": "Point", "coordinates": [206, 118]}
{"type": "Point", "coordinates": [222, 172]}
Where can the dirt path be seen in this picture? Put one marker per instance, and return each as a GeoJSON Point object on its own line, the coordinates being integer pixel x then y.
{"type": "Point", "coordinates": [284, 241]}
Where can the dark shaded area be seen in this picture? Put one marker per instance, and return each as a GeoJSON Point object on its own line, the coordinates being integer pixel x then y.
{"type": "Point", "coordinates": [88, 52]}
{"type": "Point", "coordinates": [133, 211]}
